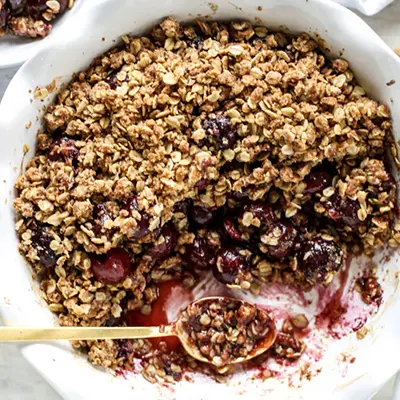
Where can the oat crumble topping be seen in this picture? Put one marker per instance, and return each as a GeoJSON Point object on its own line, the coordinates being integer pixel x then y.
{"type": "Point", "coordinates": [220, 147]}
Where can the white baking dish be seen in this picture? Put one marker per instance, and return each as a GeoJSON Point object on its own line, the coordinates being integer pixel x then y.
{"type": "Point", "coordinates": [374, 64]}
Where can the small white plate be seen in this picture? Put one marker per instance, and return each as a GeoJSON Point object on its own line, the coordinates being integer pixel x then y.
{"type": "Point", "coordinates": [16, 50]}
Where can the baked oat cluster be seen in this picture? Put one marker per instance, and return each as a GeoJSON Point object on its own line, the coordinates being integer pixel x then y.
{"type": "Point", "coordinates": [215, 147]}
{"type": "Point", "coordinates": [30, 18]}
{"type": "Point", "coordinates": [225, 330]}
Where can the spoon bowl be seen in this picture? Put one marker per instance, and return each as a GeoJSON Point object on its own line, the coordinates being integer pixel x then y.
{"type": "Point", "coordinates": [183, 328]}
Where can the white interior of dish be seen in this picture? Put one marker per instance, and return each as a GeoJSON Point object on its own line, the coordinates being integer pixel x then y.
{"type": "Point", "coordinates": [373, 63]}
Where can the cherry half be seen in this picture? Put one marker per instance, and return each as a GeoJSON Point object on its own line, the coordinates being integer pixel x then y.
{"type": "Point", "coordinates": [112, 269]}
{"type": "Point", "coordinates": [283, 236]}
{"type": "Point", "coordinates": [260, 210]}
{"type": "Point", "coordinates": [230, 265]}
{"type": "Point", "coordinates": [344, 211]}
{"type": "Point", "coordinates": [142, 228]}
{"type": "Point", "coordinates": [198, 255]}
{"type": "Point", "coordinates": [165, 244]}
{"type": "Point", "coordinates": [318, 257]}
{"type": "Point", "coordinates": [317, 180]}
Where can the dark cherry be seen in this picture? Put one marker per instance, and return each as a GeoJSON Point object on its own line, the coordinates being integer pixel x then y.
{"type": "Point", "coordinates": [343, 211]}
{"type": "Point", "coordinates": [63, 6]}
{"type": "Point", "coordinates": [143, 225]}
{"type": "Point", "coordinates": [113, 268]}
{"type": "Point", "coordinates": [290, 54]}
{"type": "Point", "coordinates": [387, 186]}
{"type": "Point", "coordinates": [318, 180]}
{"type": "Point", "coordinates": [165, 248]}
{"type": "Point", "coordinates": [37, 7]}
{"type": "Point", "coordinates": [199, 255]}
{"type": "Point", "coordinates": [229, 264]}
{"type": "Point", "coordinates": [196, 111]}
{"type": "Point", "coordinates": [197, 42]}
{"type": "Point", "coordinates": [231, 230]}
{"type": "Point", "coordinates": [183, 206]}
{"type": "Point", "coordinates": [131, 204]}
{"type": "Point", "coordinates": [63, 148]}
{"type": "Point", "coordinates": [100, 216]}
{"type": "Point", "coordinates": [230, 166]}
{"type": "Point", "coordinates": [16, 6]}
{"type": "Point", "coordinates": [113, 81]}
{"type": "Point", "coordinates": [201, 185]}
{"type": "Point", "coordinates": [41, 242]}
{"type": "Point", "coordinates": [222, 132]}
{"type": "Point", "coordinates": [100, 213]}
{"type": "Point", "coordinates": [201, 217]}
{"type": "Point", "coordinates": [317, 257]}
{"type": "Point", "coordinates": [195, 324]}
{"type": "Point", "coordinates": [261, 210]}
{"type": "Point", "coordinates": [239, 196]}
{"type": "Point", "coordinates": [285, 234]}
{"type": "Point", "coordinates": [125, 347]}
{"type": "Point", "coordinates": [370, 290]}
{"type": "Point", "coordinates": [4, 13]}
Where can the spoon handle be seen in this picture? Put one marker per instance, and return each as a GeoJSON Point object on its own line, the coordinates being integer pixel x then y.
{"type": "Point", "coordinates": [16, 334]}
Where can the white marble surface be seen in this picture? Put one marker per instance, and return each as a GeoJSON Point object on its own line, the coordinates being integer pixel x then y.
{"type": "Point", "coordinates": [19, 381]}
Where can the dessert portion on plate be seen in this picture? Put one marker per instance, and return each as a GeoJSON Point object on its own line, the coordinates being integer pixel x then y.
{"type": "Point", "coordinates": [219, 153]}
{"type": "Point", "coordinates": [30, 18]}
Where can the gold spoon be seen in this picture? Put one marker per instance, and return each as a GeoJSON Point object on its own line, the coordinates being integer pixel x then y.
{"type": "Point", "coordinates": [179, 329]}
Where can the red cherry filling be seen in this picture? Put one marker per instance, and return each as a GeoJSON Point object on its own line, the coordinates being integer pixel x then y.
{"type": "Point", "coordinates": [158, 315]}
{"type": "Point", "coordinates": [231, 230]}
{"type": "Point", "coordinates": [112, 269]}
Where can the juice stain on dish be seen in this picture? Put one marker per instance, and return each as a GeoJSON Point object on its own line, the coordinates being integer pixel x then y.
{"type": "Point", "coordinates": [333, 311]}
{"type": "Point", "coordinates": [171, 294]}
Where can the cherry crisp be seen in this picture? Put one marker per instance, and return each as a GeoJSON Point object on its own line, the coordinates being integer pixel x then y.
{"type": "Point", "coordinates": [218, 150]}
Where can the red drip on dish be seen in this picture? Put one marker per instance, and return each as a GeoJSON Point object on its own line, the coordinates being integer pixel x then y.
{"type": "Point", "coordinates": [168, 291]}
